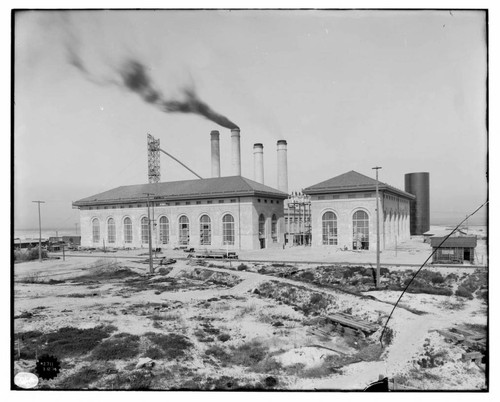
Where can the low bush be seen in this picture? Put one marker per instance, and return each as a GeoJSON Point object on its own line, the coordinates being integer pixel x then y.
{"type": "Point", "coordinates": [120, 347]}
{"type": "Point", "coordinates": [136, 380]}
{"type": "Point", "coordinates": [242, 267]}
{"type": "Point", "coordinates": [219, 353]}
{"type": "Point", "coordinates": [28, 254]}
{"type": "Point", "coordinates": [173, 345]}
{"type": "Point", "coordinates": [154, 353]}
{"type": "Point", "coordinates": [463, 292]}
{"type": "Point", "coordinates": [81, 379]}
{"type": "Point", "coordinates": [65, 342]}
{"type": "Point", "coordinates": [248, 354]}
{"type": "Point", "coordinates": [224, 337]}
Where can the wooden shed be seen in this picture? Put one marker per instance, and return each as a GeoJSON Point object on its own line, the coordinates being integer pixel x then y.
{"type": "Point", "coordinates": [454, 249]}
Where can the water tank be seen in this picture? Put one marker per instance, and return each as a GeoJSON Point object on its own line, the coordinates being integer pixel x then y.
{"type": "Point", "coordinates": [420, 215]}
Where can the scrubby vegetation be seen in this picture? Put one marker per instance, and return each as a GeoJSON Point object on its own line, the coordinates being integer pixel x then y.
{"type": "Point", "coordinates": [28, 254]}
{"type": "Point", "coordinates": [119, 347]}
{"type": "Point", "coordinates": [173, 346]}
{"type": "Point", "coordinates": [65, 342]}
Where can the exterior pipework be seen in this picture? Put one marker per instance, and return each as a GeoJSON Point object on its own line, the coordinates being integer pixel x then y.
{"type": "Point", "coordinates": [215, 146]}
{"type": "Point", "coordinates": [418, 185]}
{"type": "Point", "coordinates": [282, 166]}
{"type": "Point", "coordinates": [235, 152]}
{"type": "Point", "coordinates": [258, 163]}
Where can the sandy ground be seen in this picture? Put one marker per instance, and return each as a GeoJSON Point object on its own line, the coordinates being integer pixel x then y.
{"type": "Point", "coordinates": [248, 317]}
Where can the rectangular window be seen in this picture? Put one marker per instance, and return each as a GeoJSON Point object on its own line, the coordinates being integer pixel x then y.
{"type": "Point", "coordinates": [258, 199]}
{"type": "Point", "coordinates": [188, 202]}
{"type": "Point", "coordinates": [221, 201]}
{"type": "Point", "coordinates": [177, 203]}
{"type": "Point", "coordinates": [233, 201]}
{"type": "Point", "coordinates": [351, 196]}
{"type": "Point", "coordinates": [265, 201]}
{"type": "Point", "coordinates": [321, 197]}
{"type": "Point", "coordinates": [209, 201]}
{"type": "Point", "coordinates": [198, 202]}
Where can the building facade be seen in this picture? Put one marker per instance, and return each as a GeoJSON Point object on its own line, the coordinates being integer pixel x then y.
{"type": "Point", "coordinates": [216, 213]}
{"type": "Point", "coordinates": [343, 213]}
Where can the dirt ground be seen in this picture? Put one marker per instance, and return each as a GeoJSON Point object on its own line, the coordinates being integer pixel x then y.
{"type": "Point", "coordinates": [227, 325]}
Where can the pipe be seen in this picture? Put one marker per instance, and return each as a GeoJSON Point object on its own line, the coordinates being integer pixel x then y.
{"type": "Point", "coordinates": [214, 139]}
{"type": "Point", "coordinates": [258, 163]}
{"type": "Point", "coordinates": [235, 152]}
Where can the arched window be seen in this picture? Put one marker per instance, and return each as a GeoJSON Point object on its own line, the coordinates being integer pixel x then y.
{"type": "Point", "coordinates": [144, 231]}
{"type": "Point", "coordinates": [274, 228]}
{"type": "Point", "coordinates": [95, 230]}
{"type": "Point", "coordinates": [111, 230]}
{"type": "Point", "coordinates": [205, 231]}
{"type": "Point", "coordinates": [127, 230]}
{"type": "Point", "coordinates": [329, 223]}
{"type": "Point", "coordinates": [228, 229]}
{"type": "Point", "coordinates": [164, 230]}
{"type": "Point", "coordinates": [360, 231]}
{"type": "Point", "coordinates": [183, 230]}
{"type": "Point", "coordinates": [262, 226]}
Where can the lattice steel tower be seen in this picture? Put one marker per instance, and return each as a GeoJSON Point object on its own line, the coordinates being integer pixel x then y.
{"type": "Point", "coordinates": [153, 159]}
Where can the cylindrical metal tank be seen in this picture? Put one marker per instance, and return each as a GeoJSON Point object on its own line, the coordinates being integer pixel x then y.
{"type": "Point", "coordinates": [420, 215]}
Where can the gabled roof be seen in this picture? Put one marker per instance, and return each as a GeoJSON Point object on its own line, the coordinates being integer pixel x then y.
{"type": "Point", "coordinates": [217, 187]}
{"type": "Point", "coordinates": [458, 241]}
{"type": "Point", "coordinates": [352, 181]}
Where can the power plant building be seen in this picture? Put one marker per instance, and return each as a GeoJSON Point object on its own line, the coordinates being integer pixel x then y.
{"type": "Point", "coordinates": [343, 213]}
{"type": "Point", "coordinates": [216, 213]}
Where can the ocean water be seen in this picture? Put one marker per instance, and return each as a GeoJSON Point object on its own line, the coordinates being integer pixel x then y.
{"type": "Point", "coordinates": [34, 233]}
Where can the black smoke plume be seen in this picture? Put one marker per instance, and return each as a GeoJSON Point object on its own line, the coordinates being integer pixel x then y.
{"type": "Point", "coordinates": [136, 79]}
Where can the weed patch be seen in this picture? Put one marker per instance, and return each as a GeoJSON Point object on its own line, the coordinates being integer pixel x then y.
{"type": "Point", "coordinates": [81, 379]}
{"type": "Point", "coordinates": [173, 345]}
{"type": "Point", "coordinates": [63, 343]}
{"type": "Point", "coordinates": [120, 347]}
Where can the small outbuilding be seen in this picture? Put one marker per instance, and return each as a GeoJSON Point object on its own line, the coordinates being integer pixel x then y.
{"type": "Point", "coordinates": [454, 250]}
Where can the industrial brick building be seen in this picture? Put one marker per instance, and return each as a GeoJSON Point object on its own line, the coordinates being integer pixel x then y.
{"type": "Point", "coordinates": [234, 212]}
{"type": "Point", "coordinates": [227, 212]}
{"type": "Point", "coordinates": [343, 213]}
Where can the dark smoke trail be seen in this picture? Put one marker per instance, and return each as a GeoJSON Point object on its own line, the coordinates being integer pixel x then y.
{"type": "Point", "coordinates": [136, 79]}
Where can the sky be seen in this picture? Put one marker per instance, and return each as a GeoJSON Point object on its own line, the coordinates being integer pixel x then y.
{"type": "Point", "coordinates": [348, 90]}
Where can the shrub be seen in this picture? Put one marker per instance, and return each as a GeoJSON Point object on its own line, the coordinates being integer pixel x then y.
{"type": "Point", "coordinates": [67, 341]}
{"type": "Point", "coordinates": [463, 292]}
{"type": "Point", "coordinates": [242, 267]}
{"type": "Point", "coordinates": [224, 337]}
{"type": "Point", "coordinates": [173, 345]}
{"type": "Point", "coordinates": [388, 336]}
{"type": "Point", "coordinates": [81, 379]}
{"type": "Point", "coordinates": [136, 380]}
{"type": "Point", "coordinates": [28, 255]}
{"type": "Point", "coordinates": [154, 353]}
{"type": "Point", "coordinates": [120, 347]}
{"type": "Point", "coordinates": [219, 353]}
{"type": "Point", "coordinates": [248, 354]}
{"type": "Point", "coordinates": [316, 298]}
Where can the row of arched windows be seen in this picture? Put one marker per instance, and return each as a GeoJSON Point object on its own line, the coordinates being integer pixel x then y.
{"type": "Point", "coordinates": [360, 229]}
{"type": "Point", "coordinates": [164, 230]}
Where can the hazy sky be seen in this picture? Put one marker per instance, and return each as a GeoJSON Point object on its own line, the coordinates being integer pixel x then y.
{"type": "Point", "coordinates": [348, 90]}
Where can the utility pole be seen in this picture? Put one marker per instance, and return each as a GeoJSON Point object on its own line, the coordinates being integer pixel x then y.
{"type": "Point", "coordinates": [39, 230]}
{"type": "Point", "coordinates": [151, 269]}
{"type": "Point", "coordinates": [377, 276]}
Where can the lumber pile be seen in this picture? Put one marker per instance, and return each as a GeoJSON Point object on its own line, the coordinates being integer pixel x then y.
{"type": "Point", "coordinates": [465, 337]}
{"type": "Point", "coordinates": [350, 321]}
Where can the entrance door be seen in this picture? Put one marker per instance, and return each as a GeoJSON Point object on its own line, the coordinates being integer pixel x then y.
{"type": "Point", "coordinates": [262, 243]}
{"type": "Point", "coordinates": [467, 254]}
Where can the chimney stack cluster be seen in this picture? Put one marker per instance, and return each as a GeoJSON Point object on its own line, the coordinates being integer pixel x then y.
{"type": "Point", "coordinates": [258, 159]}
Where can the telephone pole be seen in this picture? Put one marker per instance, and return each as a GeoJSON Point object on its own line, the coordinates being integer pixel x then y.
{"type": "Point", "coordinates": [39, 230]}
{"type": "Point", "coordinates": [377, 275]}
{"type": "Point", "coordinates": [151, 269]}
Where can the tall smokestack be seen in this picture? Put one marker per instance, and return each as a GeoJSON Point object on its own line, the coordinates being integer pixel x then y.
{"type": "Point", "coordinates": [214, 140]}
{"type": "Point", "coordinates": [258, 163]}
{"type": "Point", "coordinates": [282, 167]}
{"type": "Point", "coordinates": [235, 152]}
